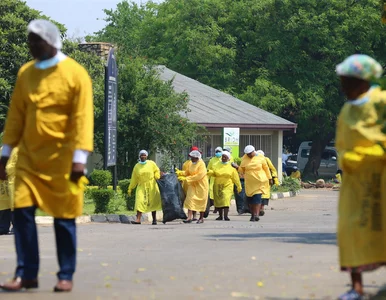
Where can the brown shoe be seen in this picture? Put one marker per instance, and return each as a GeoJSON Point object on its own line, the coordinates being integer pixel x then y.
{"type": "Point", "coordinates": [63, 286]}
{"type": "Point", "coordinates": [18, 283]}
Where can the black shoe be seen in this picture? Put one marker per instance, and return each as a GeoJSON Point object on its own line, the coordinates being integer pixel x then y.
{"type": "Point", "coordinates": [135, 223]}
{"type": "Point", "coordinates": [194, 219]}
{"type": "Point", "coordinates": [262, 213]}
{"type": "Point", "coordinates": [219, 218]}
{"type": "Point", "coordinates": [257, 219]}
{"type": "Point", "coordinates": [154, 223]}
{"type": "Point", "coordinates": [200, 221]}
{"type": "Point", "coordinates": [252, 219]}
{"type": "Point", "coordinates": [227, 219]}
{"type": "Point", "coordinates": [187, 221]}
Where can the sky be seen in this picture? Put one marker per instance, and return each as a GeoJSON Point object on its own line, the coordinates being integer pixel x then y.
{"type": "Point", "coordinates": [81, 17]}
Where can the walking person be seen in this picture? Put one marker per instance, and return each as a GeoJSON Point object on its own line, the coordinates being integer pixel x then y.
{"type": "Point", "coordinates": [197, 180]}
{"type": "Point", "coordinates": [147, 195]}
{"type": "Point", "coordinates": [212, 162]}
{"type": "Point", "coordinates": [225, 177]}
{"type": "Point", "coordinates": [265, 197]}
{"type": "Point", "coordinates": [361, 143]}
{"type": "Point", "coordinates": [51, 120]}
{"type": "Point", "coordinates": [257, 179]}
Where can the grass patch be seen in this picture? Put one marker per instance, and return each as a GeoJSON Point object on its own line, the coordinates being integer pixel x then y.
{"type": "Point", "coordinates": [89, 208]}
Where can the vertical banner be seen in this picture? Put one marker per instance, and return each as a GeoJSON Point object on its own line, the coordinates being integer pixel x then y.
{"type": "Point", "coordinates": [111, 91]}
{"type": "Point", "coordinates": [231, 138]}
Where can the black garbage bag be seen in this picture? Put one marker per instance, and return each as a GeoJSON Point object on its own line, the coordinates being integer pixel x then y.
{"type": "Point", "coordinates": [208, 205]}
{"type": "Point", "coordinates": [241, 199]}
{"type": "Point", "coordinates": [172, 197]}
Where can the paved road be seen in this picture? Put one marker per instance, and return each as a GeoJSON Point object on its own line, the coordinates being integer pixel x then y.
{"type": "Point", "coordinates": [290, 254]}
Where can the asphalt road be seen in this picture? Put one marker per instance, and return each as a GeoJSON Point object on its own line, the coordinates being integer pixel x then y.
{"type": "Point", "coordinates": [290, 254]}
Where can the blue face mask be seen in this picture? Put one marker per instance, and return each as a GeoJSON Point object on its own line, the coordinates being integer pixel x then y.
{"type": "Point", "coordinates": [218, 154]}
{"type": "Point", "coordinates": [142, 162]}
{"type": "Point", "coordinates": [47, 63]}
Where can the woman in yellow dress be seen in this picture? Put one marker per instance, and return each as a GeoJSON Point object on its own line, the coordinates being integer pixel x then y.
{"type": "Point", "coordinates": [257, 179]}
{"type": "Point", "coordinates": [265, 198]}
{"type": "Point", "coordinates": [361, 145]}
{"type": "Point", "coordinates": [197, 180]}
{"type": "Point", "coordinates": [225, 177]}
{"type": "Point", "coordinates": [212, 162]}
{"type": "Point", "coordinates": [147, 195]}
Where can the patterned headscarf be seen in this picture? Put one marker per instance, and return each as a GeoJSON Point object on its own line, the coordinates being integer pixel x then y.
{"type": "Point", "coordinates": [360, 66]}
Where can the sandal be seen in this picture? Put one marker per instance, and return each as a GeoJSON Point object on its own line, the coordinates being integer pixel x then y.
{"type": "Point", "coordinates": [351, 295]}
{"type": "Point", "coordinates": [200, 221]}
{"type": "Point", "coordinates": [135, 223]}
{"type": "Point", "coordinates": [187, 221]}
{"type": "Point", "coordinates": [262, 213]}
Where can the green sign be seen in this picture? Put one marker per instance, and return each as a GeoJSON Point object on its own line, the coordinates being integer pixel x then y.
{"type": "Point", "coordinates": [231, 138]}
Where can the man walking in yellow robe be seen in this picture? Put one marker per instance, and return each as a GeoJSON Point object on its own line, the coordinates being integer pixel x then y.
{"type": "Point", "coordinates": [50, 119]}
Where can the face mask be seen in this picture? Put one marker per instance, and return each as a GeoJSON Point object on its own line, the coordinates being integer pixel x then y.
{"type": "Point", "coordinates": [218, 154]}
{"type": "Point", "coordinates": [194, 162]}
{"type": "Point", "coordinates": [142, 162]}
{"type": "Point", "coordinates": [224, 162]}
{"type": "Point", "coordinates": [48, 63]}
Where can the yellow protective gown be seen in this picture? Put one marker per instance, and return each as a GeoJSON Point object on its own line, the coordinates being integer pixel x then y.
{"type": "Point", "coordinates": [185, 167]}
{"type": "Point", "coordinates": [256, 175]}
{"type": "Point", "coordinates": [225, 177]}
{"type": "Point", "coordinates": [197, 195]}
{"type": "Point", "coordinates": [273, 171]}
{"type": "Point", "coordinates": [212, 162]}
{"type": "Point", "coordinates": [147, 195]}
{"type": "Point", "coordinates": [50, 116]}
{"type": "Point", "coordinates": [362, 201]}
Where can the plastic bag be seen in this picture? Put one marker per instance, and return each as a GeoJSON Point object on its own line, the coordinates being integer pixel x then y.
{"type": "Point", "coordinates": [206, 213]}
{"type": "Point", "coordinates": [172, 197]}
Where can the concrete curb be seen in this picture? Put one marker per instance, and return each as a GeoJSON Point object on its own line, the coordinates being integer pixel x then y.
{"type": "Point", "coordinates": [146, 217]}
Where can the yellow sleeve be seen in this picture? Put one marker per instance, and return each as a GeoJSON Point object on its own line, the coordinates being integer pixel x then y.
{"type": "Point", "coordinates": [266, 169]}
{"type": "Point", "coordinates": [134, 179]}
{"type": "Point", "coordinates": [201, 172]}
{"type": "Point", "coordinates": [83, 113]}
{"type": "Point", "coordinates": [236, 179]}
{"type": "Point", "coordinates": [157, 173]}
{"type": "Point", "coordinates": [271, 167]}
{"type": "Point", "coordinates": [14, 125]}
{"type": "Point", "coordinates": [210, 164]}
{"type": "Point", "coordinates": [11, 164]}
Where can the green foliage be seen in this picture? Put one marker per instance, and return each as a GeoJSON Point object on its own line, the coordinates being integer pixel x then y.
{"type": "Point", "coordinates": [117, 203]}
{"type": "Point", "coordinates": [101, 178]}
{"type": "Point", "coordinates": [101, 199]}
{"type": "Point", "coordinates": [288, 184]}
{"type": "Point", "coordinates": [129, 200]}
{"type": "Point", "coordinates": [14, 18]}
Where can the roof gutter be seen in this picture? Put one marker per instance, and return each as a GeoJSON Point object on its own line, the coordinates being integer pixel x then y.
{"type": "Point", "coordinates": [292, 126]}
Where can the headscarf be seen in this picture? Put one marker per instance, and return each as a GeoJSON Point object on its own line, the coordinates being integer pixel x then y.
{"type": "Point", "coordinates": [249, 149]}
{"type": "Point", "coordinates": [218, 149]}
{"type": "Point", "coordinates": [227, 154]}
{"type": "Point", "coordinates": [360, 66]}
{"type": "Point", "coordinates": [260, 152]}
{"type": "Point", "coordinates": [195, 153]}
{"type": "Point", "coordinates": [143, 152]}
{"type": "Point", "coordinates": [47, 31]}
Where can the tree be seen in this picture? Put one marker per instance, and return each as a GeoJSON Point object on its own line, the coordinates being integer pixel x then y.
{"type": "Point", "coordinates": [14, 18]}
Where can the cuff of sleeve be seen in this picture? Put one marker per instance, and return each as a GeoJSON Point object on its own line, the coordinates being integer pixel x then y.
{"type": "Point", "coordinates": [6, 151]}
{"type": "Point", "coordinates": [80, 156]}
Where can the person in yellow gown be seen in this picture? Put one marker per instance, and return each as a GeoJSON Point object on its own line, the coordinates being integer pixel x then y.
{"type": "Point", "coordinates": [51, 120]}
{"type": "Point", "coordinates": [361, 144]}
{"type": "Point", "coordinates": [257, 179]}
{"type": "Point", "coordinates": [225, 177]}
{"type": "Point", "coordinates": [212, 162]}
{"type": "Point", "coordinates": [229, 149]}
{"type": "Point", "coordinates": [147, 194]}
{"type": "Point", "coordinates": [265, 197]}
{"type": "Point", "coordinates": [198, 186]}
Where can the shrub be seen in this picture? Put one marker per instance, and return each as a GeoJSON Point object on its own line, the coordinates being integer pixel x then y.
{"type": "Point", "coordinates": [291, 184]}
{"type": "Point", "coordinates": [130, 200]}
{"type": "Point", "coordinates": [117, 204]}
{"type": "Point", "coordinates": [101, 199]}
{"type": "Point", "coordinates": [101, 178]}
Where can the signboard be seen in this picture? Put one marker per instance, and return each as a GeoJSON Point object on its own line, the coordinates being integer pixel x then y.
{"type": "Point", "coordinates": [111, 93]}
{"type": "Point", "coordinates": [231, 138]}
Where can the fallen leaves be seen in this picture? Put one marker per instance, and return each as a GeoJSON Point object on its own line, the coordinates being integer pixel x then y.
{"type": "Point", "coordinates": [260, 284]}
{"type": "Point", "coordinates": [104, 264]}
{"type": "Point", "coordinates": [141, 270]}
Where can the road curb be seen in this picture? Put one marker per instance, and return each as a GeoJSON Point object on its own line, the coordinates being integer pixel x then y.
{"type": "Point", "coordinates": [146, 217]}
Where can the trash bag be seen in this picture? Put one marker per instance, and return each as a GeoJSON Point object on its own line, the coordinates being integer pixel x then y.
{"type": "Point", "coordinates": [206, 213]}
{"type": "Point", "coordinates": [5, 221]}
{"type": "Point", "coordinates": [241, 199]}
{"type": "Point", "coordinates": [172, 197]}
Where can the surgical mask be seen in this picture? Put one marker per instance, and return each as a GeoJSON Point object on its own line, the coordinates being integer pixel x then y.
{"type": "Point", "coordinates": [142, 162]}
{"type": "Point", "coordinates": [51, 62]}
{"type": "Point", "coordinates": [218, 154]}
{"type": "Point", "coordinates": [224, 162]}
{"type": "Point", "coordinates": [194, 163]}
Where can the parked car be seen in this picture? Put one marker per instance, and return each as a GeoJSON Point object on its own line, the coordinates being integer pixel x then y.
{"type": "Point", "coordinates": [329, 160]}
